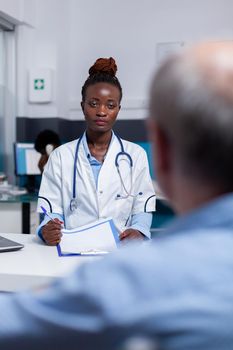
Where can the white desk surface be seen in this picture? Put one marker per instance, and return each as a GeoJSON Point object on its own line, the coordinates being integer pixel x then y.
{"type": "Point", "coordinates": [35, 265]}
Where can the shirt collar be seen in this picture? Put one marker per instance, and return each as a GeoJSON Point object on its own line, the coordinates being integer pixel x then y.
{"type": "Point", "coordinates": [215, 213]}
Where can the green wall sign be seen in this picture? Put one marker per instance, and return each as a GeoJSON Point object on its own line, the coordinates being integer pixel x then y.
{"type": "Point", "coordinates": [39, 84]}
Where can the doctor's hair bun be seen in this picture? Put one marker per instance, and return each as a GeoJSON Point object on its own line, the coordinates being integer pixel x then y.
{"type": "Point", "coordinates": [104, 65]}
{"type": "Point", "coordinates": [103, 71]}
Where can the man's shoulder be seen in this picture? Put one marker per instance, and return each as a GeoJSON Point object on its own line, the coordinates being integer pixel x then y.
{"type": "Point", "coordinates": [183, 248]}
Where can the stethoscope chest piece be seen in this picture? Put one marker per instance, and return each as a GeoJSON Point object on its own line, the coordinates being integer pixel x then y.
{"type": "Point", "coordinates": [73, 204]}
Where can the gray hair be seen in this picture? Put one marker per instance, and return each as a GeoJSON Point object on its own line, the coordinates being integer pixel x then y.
{"type": "Point", "coordinates": [196, 116]}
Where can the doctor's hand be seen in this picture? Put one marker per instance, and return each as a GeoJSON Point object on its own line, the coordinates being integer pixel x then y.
{"type": "Point", "coordinates": [130, 233]}
{"type": "Point", "coordinates": [51, 232]}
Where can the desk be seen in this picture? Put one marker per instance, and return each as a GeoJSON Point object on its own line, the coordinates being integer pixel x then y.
{"type": "Point", "coordinates": [18, 213]}
{"type": "Point", "coordinates": [35, 265]}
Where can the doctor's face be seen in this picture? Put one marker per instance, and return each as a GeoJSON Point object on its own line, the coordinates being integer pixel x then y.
{"type": "Point", "coordinates": [101, 106]}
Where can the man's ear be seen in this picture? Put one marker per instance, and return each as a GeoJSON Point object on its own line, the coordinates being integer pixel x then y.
{"type": "Point", "coordinates": [82, 105]}
{"type": "Point", "coordinates": [160, 147]}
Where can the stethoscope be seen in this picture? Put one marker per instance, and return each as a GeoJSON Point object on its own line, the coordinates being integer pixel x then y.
{"type": "Point", "coordinates": [74, 200]}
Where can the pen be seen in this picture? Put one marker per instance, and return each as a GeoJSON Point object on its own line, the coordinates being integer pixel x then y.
{"type": "Point", "coordinates": [82, 253]}
{"type": "Point", "coordinates": [46, 213]}
{"type": "Point", "coordinates": [93, 252]}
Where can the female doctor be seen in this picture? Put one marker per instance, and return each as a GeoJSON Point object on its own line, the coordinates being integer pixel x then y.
{"type": "Point", "coordinates": [99, 175]}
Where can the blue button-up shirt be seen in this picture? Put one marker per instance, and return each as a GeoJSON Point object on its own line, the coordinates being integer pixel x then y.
{"type": "Point", "coordinates": [176, 289]}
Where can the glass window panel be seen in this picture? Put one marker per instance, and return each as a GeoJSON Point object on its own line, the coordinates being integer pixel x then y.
{"type": "Point", "coordinates": [2, 93]}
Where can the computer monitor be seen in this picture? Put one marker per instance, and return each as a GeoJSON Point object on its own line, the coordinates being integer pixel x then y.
{"type": "Point", "coordinates": [26, 159]}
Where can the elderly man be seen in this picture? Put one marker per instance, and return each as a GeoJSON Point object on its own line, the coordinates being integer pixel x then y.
{"type": "Point", "coordinates": [178, 289]}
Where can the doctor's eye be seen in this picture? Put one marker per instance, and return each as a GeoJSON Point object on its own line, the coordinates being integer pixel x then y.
{"type": "Point", "coordinates": [111, 105]}
{"type": "Point", "coordinates": [93, 104]}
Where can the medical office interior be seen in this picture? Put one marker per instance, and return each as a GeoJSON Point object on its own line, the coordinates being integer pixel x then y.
{"type": "Point", "coordinates": [45, 49]}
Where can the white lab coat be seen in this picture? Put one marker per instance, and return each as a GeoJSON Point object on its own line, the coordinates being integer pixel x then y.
{"type": "Point", "coordinates": [94, 204]}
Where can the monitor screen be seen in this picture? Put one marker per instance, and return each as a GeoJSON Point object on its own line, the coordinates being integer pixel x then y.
{"type": "Point", "coordinates": [26, 159]}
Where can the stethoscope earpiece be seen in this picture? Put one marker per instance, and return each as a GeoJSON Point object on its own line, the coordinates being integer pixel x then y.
{"type": "Point", "coordinates": [118, 196]}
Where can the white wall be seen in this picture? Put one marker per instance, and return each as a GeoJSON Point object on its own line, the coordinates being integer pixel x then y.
{"type": "Point", "coordinates": [129, 30]}
{"type": "Point", "coordinates": [12, 8]}
{"type": "Point", "coordinates": [45, 45]}
{"type": "Point", "coordinates": [70, 34]}
{"type": "Point", "coordinates": [18, 10]}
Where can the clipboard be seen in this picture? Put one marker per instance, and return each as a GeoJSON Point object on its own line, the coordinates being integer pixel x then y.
{"type": "Point", "coordinates": [98, 238]}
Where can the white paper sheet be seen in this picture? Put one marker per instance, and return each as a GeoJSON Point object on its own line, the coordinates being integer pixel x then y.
{"type": "Point", "coordinates": [98, 237]}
